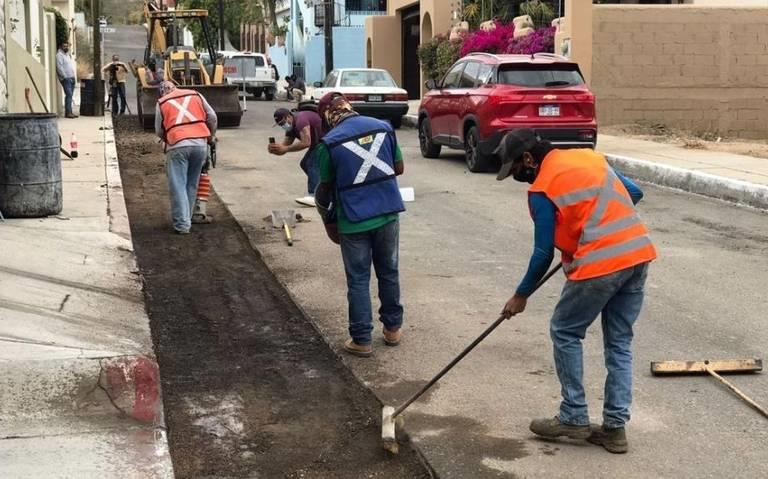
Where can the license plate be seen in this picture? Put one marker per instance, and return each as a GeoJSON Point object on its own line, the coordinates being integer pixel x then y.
{"type": "Point", "coordinates": [374, 98]}
{"type": "Point", "coordinates": [549, 110]}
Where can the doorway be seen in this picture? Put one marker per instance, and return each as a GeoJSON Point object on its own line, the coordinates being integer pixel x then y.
{"type": "Point", "coordinates": [411, 34]}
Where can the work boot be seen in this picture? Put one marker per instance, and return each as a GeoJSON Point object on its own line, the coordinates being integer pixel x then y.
{"type": "Point", "coordinates": [359, 350]}
{"type": "Point", "coordinates": [612, 439]}
{"type": "Point", "coordinates": [554, 428]}
{"type": "Point", "coordinates": [201, 219]}
{"type": "Point", "coordinates": [392, 338]}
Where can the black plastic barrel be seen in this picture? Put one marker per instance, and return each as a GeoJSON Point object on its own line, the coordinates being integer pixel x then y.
{"type": "Point", "coordinates": [30, 165]}
{"type": "Point", "coordinates": [87, 107]}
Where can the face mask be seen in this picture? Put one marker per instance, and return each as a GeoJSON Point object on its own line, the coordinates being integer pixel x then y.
{"type": "Point", "coordinates": [286, 126]}
{"type": "Point", "coordinates": [526, 175]}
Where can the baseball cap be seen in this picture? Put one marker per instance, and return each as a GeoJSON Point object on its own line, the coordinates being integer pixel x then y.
{"type": "Point", "coordinates": [280, 115]}
{"type": "Point", "coordinates": [511, 149]}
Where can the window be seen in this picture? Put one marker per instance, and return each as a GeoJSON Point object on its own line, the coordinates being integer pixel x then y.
{"type": "Point", "coordinates": [484, 73]}
{"type": "Point", "coordinates": [540, 75]}
{"type": "Point", "coordinates": [358, 78]}
{"type": "Point", "coordinates": [330, 80]}
{"type": "Point", "coordinates": [366, 5]}
{"type": "Point", "coordinates": [452, 78]}
{"type": "Point", "coordinates": [469, 76]}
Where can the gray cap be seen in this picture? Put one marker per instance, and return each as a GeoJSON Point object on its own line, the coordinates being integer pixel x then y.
{"type": "Point", "coordinates": [511, 149]}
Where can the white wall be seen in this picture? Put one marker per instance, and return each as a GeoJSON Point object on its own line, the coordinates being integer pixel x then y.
{"type": "Point", "coordinates": [3, 65]}
{"type": "Point", "coordinates": [18, 21]}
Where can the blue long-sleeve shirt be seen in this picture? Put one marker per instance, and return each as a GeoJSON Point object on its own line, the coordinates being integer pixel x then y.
{"type": "Point", "coordinates": [543, 213]}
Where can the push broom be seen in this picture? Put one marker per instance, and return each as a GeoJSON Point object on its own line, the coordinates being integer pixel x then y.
{"type": "Point", "coordinates": [390, 416]}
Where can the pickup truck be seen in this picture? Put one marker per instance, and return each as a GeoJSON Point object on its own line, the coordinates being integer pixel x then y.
{"type": "Point", "coordinates": [250, 72]}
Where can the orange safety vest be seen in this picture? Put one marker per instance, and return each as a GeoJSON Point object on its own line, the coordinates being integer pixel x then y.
{"type": "Point", "coordinates": [597, 228]}
{"type": "Point", "coordinates": [183, 116]}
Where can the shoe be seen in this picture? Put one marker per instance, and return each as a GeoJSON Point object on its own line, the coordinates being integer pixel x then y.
{"type": "Point", "coordinates": [71, 115]}
{"type": "Point", "coordinates": [306, 201]}
{"type": "Point", "coordinates": [181, 232]}
{"type": "Point", "coordinates": [554, 428]}
{"type": "Point", "coordinates": [614, 440]}
{"type": "Point", "coordinates": [359, 350]}
{"type": "Point", "coordinates": [199, 219]}
{"type": "Point", "coordinates": [392, 338]}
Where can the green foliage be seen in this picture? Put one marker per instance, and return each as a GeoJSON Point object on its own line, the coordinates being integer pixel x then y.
{"type": "Point", "coordinates": [235, 13]}
{"type": "Point", "coordinates": [540, 12]}
{"type": "Point", "coordinates": [62, 29]}
{"type": "Point", "coordinates": [447, 54]}
{"type": "Point", "coordinates": [428, 56]}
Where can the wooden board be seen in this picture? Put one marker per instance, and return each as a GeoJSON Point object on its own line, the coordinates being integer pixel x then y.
{"type": "Point", "coordinates": [720, 366]}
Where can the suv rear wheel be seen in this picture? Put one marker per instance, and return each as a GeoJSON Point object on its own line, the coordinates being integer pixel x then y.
{"type": "Point", "coordinates": [428, 149]}
{"type": "Point", "coordinates": [476, 161]}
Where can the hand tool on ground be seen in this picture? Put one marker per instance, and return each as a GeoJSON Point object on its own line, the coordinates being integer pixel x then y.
{"type": "Point", "coordinates": [713, 367]}
{"type": "Point", "coordinates": [285, 219]}
{"type": "Point", "coordinates": [39, 96]}
{"type": "Point", "coordinates": [390, 415]}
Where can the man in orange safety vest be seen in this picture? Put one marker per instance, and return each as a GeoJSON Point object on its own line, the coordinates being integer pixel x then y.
{"type": "Point", "coordinates": [584, 208]}
{"type": "Point", "coordinates": [186, 123]}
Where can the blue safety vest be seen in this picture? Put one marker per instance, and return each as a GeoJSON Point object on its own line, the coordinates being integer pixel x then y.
{"type": "Point", "coordinates": [363, 154]}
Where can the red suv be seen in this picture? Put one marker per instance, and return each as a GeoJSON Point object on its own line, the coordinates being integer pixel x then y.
{"type": "Point", "coordinates": [484, 95]}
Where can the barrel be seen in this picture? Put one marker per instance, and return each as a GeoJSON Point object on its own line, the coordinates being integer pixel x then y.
{"type": "Point", "coordinates": [87, 108]}
{"type": "Point", "coordinates": [30, 165]}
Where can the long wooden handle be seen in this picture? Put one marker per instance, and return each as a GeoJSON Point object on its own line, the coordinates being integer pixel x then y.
{"type": "Point", "coordinates": [738, 392]}
{"type": "Point", "coordinates": [288, 233]}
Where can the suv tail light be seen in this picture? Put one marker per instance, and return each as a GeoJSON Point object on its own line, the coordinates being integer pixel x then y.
{"type": "Point", "coordinates": [588, 97]}
{"type": "Point", "coordinates": [502, 99]}
{"type": "Point", "coordinates": [588, 135]}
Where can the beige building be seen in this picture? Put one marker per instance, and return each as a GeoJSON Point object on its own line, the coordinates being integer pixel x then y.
{"type": "Point", "coordinates": [393, 39]}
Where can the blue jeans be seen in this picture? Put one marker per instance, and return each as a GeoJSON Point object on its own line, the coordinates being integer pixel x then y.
{"type": "Point", "coordinates": [358, 250]}
{"type": "Point", "coordinates": [619, 298]}
{"type": "Point", "coordinates": [183, 166]}
{"type": "Point", "coordinates": [309, 165]}
{"type": "Point", "coordinates": [68, 84]}
{"type": "Point", "coordinates": [118, 91]}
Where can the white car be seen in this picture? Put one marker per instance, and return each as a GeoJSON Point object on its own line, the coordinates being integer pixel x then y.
{"type": "Point", "coordinates": [251, 72]}
{"type": "Point", "coordinates": [371, 91]}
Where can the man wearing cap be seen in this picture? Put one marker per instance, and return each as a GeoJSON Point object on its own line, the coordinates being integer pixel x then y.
{"type": "Point", "coordinates": [581, 206]}
{"type": "Point", "coordinates": [307, 128]}
{"type": "Point", "coordinates": [186, 123]}
{"type": "Point", "coordinates": [359, 201]}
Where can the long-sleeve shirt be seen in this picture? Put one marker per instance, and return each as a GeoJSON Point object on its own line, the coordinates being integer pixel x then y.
{"type": "Point", "coordinates": [543, 211]}
{"type": "Point", "coordinates": [65, 66]}
{"type": "Point", "coordinates": [210, 120]}
{"type": "Point", "coordinates": [121, 72]}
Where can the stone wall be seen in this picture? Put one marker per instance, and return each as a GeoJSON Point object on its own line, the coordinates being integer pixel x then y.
{"type": "Point", "coordinates": [3, 65]}
{"type": "Point", "coordinates": [703, 69]}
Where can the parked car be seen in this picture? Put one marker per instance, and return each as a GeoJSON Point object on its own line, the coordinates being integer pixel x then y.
{"type": "Point", "coordinates": [251, 72]}
{"type": "Point", "coordinates": [483, 96]}
{"type": "Point", "coordinates": [371, 91]}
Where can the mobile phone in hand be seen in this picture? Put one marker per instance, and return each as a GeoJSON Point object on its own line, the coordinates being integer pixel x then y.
{"type": "Point", "coordinates": [271, 140]}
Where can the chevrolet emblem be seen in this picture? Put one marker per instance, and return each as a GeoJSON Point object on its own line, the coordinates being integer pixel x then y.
{"type": "Point", "coordinates": [550, 97]}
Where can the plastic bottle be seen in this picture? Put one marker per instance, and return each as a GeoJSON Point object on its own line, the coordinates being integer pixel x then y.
{"type": "Point", "coordinates": [73, 145]}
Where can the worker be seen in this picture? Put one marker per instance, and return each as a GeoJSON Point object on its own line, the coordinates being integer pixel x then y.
{"type": "Point", "coordinates": [186, 123]}
{"type": "Point", "coordinates": [581, 206]}
{"type": "Point", "coordinates": [118, 75]}
{"type": "Point", "coordinates": [303, 130]}
{"type": "Point", "coordinates": [359, 201]}
{"type": "Point", "coordinates": [275, 72]}
{"type": "Point", "coordinates": [154, 74]}
{"type": "Point", "coordinates": [66, 72]}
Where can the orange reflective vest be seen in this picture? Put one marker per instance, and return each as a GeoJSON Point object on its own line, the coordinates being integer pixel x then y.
{"type": "Point", "coordinates": [183, 116]}
{"type": "Point", "coordinates": [597, 228]}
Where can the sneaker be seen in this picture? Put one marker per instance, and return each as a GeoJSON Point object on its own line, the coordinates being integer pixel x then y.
{"type": "Point", "coordinates": [614, 440]}
{"type": "Point", "coordinates": [200, 219]}
{"type": "Point", "coordinates": [306, 201]}
{"type": "Point", "coordinates": [554, 428]}
{"type": "Point", "coordinates": [71, 115]}
{"type": "Point", "coordinates": [359, 350]}
{"type": "Point", "coordinates": [392, 338]}
{"type": "Point", "coordinates": [181, 232]}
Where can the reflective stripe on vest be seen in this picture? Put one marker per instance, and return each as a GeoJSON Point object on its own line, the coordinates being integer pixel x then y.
{"type": "Point", "coordinates": [185, 119]}
{"type": "Point", "coordinates": [597, 227]}
{"type": "Point", "coordinates": [370, 158]}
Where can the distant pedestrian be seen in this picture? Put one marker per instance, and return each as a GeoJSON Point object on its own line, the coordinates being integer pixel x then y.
{"type": "Point", "coordinates": [66, 71]}
{"type": "Point", "coordinates": [117, 76]}
{"type": "Point", "coordinates": [303, 131]}
{"type": "Point", "coordinates": [186, 123]}
{"type": "Point", "coordinates": [582, 207]}
{"type": "Point", "coordinates": [298, 88]}
{"type": "Point", "coordinates": [359, 201]}
{"type": "Point", "coordinates": [275, 72]}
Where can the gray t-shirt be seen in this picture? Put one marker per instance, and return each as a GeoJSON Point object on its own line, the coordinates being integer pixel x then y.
{"type": "Point", "coordinates": [210, 119]}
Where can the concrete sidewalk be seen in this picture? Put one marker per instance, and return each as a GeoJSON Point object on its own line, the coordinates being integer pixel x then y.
{"type": "Point", "coordinates": [79, 386]}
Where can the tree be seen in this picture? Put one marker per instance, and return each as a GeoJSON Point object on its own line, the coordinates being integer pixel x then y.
{"type": "Point", "coordinates": [235, 14]}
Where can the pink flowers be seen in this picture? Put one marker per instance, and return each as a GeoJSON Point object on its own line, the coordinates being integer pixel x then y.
{"type": "Point", "coordinates": [541, 40]}
{"type": "Point", "coordinates": [501, 40]}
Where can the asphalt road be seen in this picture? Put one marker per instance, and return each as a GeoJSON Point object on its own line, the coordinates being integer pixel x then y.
{"type": "Point", "coordinates": [465, 243]}
{"type": "Point", "coordinates": [128, 41]}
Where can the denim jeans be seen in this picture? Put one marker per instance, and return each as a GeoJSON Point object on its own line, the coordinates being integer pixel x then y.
{"type": "Point", "coordinates": [309, 165]}
{"type": "Point", "coordinates": [618, 297]}
{"type": "Point", "coordinates": [183, 166]}
{"type": "Point", "coordinates": [118, 91]}
{"type": "Point", "coordinates": [68, 84]}
{"type": "Point", "coordinates": [358, 250]}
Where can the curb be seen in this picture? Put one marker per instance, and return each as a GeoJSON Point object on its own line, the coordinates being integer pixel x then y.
{"type": "Point", "coordinates": [691, 181]}
{"type": "Point", "coordinates": [116, 209]}
{"type": "Point", "coordinates": [713, 186]}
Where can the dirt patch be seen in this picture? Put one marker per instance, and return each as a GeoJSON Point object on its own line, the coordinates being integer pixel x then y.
{"type": "Point", "coordinates": [661, 133]}
{"type": "Point", "coordinates": [250, 388]}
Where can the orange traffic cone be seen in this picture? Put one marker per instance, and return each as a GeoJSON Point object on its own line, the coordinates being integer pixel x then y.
{"type": "Point", "coordinates": [199, 215]}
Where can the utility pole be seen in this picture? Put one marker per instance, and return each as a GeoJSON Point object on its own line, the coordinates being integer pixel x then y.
{"type": "Point", "coordinates": [221, 24]}
{"type": "Point", "coordinates": [98, 84]}
{"type": "Point", "coordinates": [328, 31]}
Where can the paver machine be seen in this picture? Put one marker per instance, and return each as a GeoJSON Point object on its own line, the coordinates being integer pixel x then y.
{"type": "Point", "coordinates": [182, 64]}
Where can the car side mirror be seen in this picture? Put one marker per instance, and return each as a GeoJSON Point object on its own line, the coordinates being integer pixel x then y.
{"type": "Point", "coordinates": [431, 84]}
{"type": "Point", "coordinates": [318, 84]}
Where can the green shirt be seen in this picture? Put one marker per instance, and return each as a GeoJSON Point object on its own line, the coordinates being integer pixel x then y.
{"type": "Point", "coordinates": [328, 175]}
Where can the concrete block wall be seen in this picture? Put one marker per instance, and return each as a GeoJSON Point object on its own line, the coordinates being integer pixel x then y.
{"type": "Point", "coordinates": [704, 69]}
{"type": "Point", "coordinates": [3, 64]}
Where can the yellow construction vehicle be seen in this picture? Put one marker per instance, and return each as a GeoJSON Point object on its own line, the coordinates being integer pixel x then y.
{"type": "Point", "coordinates": [181, 64]}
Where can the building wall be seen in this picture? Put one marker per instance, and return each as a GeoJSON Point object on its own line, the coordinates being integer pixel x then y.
{"type": "Point", "coordinates": [348, 52]}
{"type": "Point", "coordinates": [704, 69]}
{"type": "Point", "coordinates": [3, 62]}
